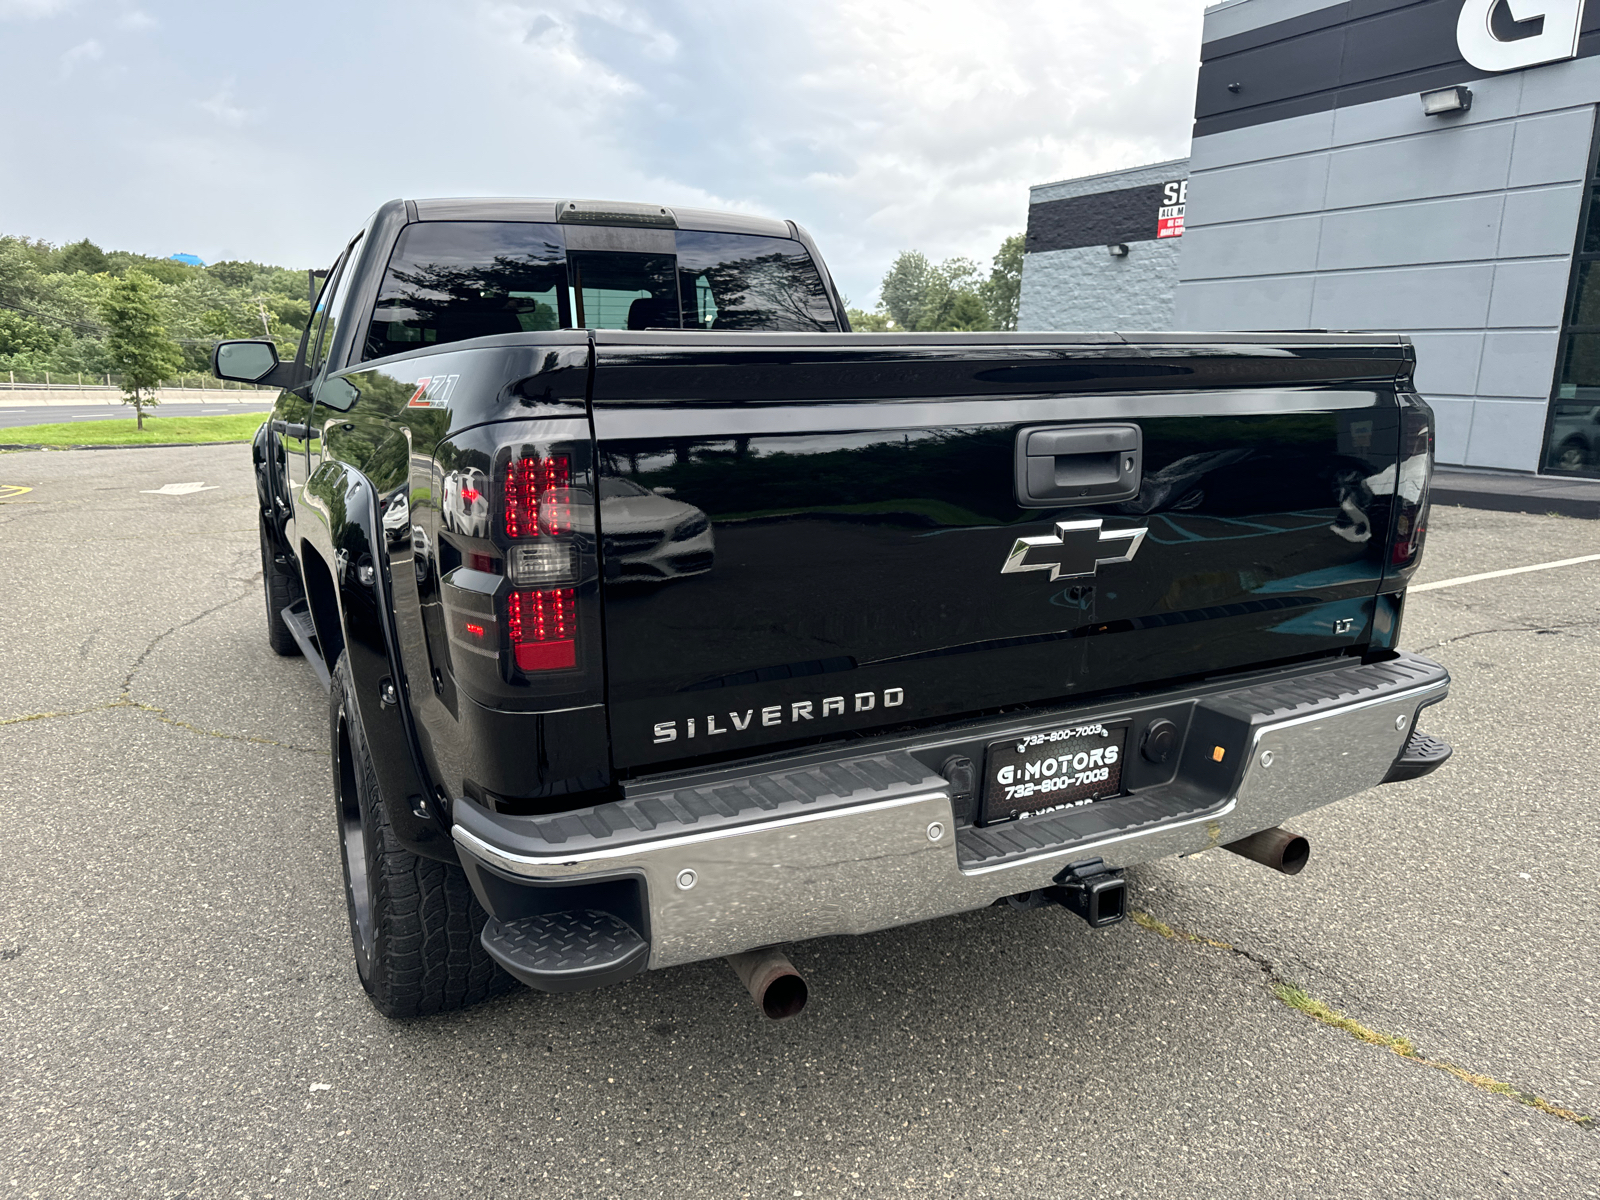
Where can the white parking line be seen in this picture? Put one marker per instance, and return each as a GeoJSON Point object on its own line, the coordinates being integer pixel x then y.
{"type": "Point", "coordinates": [1562, 562]}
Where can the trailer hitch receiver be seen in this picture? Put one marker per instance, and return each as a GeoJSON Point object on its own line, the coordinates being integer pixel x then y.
{"type": "Point", "coordinates": [1096, 892]}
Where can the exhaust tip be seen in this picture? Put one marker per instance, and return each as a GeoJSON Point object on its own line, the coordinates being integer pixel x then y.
{"type": "Point", "coordinates": [785, 997]}
{"type": "Point", "coordinates": [1296, 854]}
{"type": "Point", "coordinates": [773, 983]}
{"type": "Point", "coordinates": [1280, 849]}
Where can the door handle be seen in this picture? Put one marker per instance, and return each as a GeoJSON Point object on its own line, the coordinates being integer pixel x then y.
{"type": "Point", "coordinates": [292, 429]}
{"type": "Point", "coordinates": [1059, 466]}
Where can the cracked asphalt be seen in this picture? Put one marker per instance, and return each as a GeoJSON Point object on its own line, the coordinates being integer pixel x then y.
{"type": "Point", "coordinates": [179, 1015]}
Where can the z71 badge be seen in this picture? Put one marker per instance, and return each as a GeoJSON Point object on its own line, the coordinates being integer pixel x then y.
{"type": "Point", "coordinates": [433, 391]}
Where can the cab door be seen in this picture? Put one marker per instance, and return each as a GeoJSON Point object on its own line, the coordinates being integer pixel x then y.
{"type": "Point", "coordinates": [290, 433]}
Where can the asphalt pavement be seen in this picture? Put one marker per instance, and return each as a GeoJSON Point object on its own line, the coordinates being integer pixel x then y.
{"type": "Point", "coordinates": [179, 1015]}
{"type": "Point", "coordinates": [52, 414]}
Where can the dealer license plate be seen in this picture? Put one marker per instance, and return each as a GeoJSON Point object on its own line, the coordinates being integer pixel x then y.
{"type": "Point", "coordinates": [1058, 768]}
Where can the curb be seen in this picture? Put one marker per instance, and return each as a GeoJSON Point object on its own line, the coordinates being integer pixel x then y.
{"type": "Point", "coordinates": [1539, 495]}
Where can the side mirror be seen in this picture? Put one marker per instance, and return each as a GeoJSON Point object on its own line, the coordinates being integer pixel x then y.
{"type": "Point", "coordinates": [253, 361]}
{"type": "Point", "coordinates": [244, 362]}
{"type": "Point", "coordinates": [338, 393]}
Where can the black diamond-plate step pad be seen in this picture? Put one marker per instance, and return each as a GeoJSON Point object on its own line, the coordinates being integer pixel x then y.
{"type": "Point", "coordinates": [567, 951]}
{"type": "Point", "coordinates": [1421, 755]}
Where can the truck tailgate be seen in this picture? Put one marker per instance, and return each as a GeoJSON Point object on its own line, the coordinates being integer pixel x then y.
{"type": "Point", "coordinates": [807, 537]}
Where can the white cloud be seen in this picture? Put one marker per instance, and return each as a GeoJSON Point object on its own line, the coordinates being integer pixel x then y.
{"type": "Point", "coordinates": [136, 21]}
{"type": "Point", "coordinates": [221, 106]}
{"type": "Point", "coordinates": [880, 127]}
{"type": "Point", "coordinates": [84, 52]}
{"type": "Point", "coordinates": [29, 9]}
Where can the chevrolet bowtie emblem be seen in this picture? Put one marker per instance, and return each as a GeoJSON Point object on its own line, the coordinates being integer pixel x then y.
{"type": "Point", "coordinates": [1075, 548]}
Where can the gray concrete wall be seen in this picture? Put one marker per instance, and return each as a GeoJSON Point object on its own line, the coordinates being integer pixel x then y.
{"type": "Point", "coordinates": [1458, 230]}
{"type": "Point", "coordinates": [1087, 289]}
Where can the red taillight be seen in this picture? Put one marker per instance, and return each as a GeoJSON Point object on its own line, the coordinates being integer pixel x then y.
{"type": "Point", "coordinates": [543, 627]}
{"type": "Point", "coordinates": [537, 500]}
{"type": "Point", "coordinates": [1414, 474]}
{"type": "Point", "coordinates": [542, 622]}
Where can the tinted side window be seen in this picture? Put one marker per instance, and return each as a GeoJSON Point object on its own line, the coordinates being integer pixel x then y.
{"type": "Point", "coordinates": [739, 281]}
{"type": "Point", "coordinates": [330, 309]}
{"type": "Point", "coordinates": [313, 331]}
{"type": "Point", "coordinates": [451, 280]}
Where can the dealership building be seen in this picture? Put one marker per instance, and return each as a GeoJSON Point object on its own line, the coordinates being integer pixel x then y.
{"type": "Point", "coordinates": [1425, 166]}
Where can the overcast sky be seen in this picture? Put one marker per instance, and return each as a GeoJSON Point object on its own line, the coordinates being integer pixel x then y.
{"type": "Point", "coordinates": [879, 125]}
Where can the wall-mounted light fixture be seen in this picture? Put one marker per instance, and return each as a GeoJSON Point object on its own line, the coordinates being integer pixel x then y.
{"type": "Point", "coordinates": [1446, 100]}
{"type": "Point", "coordinates": [1117, 250]}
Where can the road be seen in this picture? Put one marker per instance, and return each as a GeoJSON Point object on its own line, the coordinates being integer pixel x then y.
{"type": "Point", "coordinates": [179, 1015]}
{"type": "Point", "coordinates": [50, 414]}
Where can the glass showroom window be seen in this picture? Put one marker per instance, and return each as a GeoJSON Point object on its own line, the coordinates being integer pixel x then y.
{"type": "Point", "coordinates": [1572, 438]}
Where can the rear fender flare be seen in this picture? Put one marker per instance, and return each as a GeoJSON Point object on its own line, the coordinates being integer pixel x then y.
{"type": "Point", "coordinates": [347, 502]}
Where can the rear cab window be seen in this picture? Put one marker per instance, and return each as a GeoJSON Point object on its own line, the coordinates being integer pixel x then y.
{"type": "Point", "coordinates": [451, 280]}
{"type": "Point", "coordinates": [743, 281]}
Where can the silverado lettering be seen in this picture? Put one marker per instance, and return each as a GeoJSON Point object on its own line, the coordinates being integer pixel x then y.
{"type": "Point", "coordinates": [667, 731]}
{"type": "Point", "coordinates": [662, 618]}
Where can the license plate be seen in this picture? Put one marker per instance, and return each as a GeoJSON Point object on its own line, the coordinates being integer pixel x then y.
{"type": "Point", "coordinates": [1058, 768]}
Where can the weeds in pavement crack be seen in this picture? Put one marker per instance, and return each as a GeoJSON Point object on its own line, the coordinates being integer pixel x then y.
{"type": "Point", "coordinates": [46, 716]}
{"type": "Point", "coordinates": [1301, 1001]}
{"type": "Point", "coordinates": [160, 714]}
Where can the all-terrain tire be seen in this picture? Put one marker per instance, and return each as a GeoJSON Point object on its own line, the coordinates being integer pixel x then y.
{"type": "Point", "coordinates": [414, 922]}
{"type": "Point", "coordinates": [281, 592]}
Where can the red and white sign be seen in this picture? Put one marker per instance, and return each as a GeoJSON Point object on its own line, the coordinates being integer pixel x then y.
{"type": "Point", "coordinates": [1169, 217]}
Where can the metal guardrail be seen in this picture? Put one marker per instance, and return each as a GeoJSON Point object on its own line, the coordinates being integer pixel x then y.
{"type": "Point", "coordinates": [202, 385]}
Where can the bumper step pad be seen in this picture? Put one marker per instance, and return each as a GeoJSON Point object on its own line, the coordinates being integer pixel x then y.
{"type": "Point", "coordinates": [1421, 755]}
{"type": "Point", "coordinates": [567, 951]}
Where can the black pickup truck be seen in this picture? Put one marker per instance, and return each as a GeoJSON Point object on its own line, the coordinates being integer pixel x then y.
{"type": "Point", "coordinates": [664, 619]}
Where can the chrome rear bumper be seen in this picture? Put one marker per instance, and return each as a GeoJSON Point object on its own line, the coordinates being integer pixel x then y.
{"type": "Point", "coordinates": [874, 863]}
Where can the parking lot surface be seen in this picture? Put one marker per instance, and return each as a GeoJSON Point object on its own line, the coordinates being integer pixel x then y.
{"type": "Point", "coordinates": [179, 1015]}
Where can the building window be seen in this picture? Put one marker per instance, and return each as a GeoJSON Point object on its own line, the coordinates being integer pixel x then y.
{"type": "Point", "coordinates": [1572, 437]}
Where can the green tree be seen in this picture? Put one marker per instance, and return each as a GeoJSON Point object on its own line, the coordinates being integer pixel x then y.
{"type": "Point", "coordinates": [904, 290]}
{"type": "Point", "coordinates": [869, 322]}
{"type": "Point", "coordinates": [82, 258]}
{"type": "Point", "coordinates": [136, 342]}
{"type": "Point", "coordinates": [1002, 291]}
{"type": "Point", "coordinates": [920, 295]}
{"type": "Point", "coordinates": [966, 313]}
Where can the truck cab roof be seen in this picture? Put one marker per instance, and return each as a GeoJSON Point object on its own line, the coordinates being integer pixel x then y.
{"type": "Point", "coordinates": [591, 212]}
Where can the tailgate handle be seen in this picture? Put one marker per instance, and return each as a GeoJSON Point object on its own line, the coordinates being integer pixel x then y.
{"type": "Point", "coordinates": [1062, 465]}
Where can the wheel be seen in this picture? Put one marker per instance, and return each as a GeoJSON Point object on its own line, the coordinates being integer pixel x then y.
{"type": "Point", "coordinates": [414, 922]}
{"type": "Point", "coordinates": [281, 592]}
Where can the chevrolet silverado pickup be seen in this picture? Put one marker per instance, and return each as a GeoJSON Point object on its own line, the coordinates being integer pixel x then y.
{"type": "Point", "coordinates": [663, 619]}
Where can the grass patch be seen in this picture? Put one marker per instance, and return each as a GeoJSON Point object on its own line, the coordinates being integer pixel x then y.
{"type": "Point", "coordinates": [234, 427]}
{"type": "Point", "coordinates": [1317, 1010]}
{"type": "Point", "coordinates": [1145, 921]}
